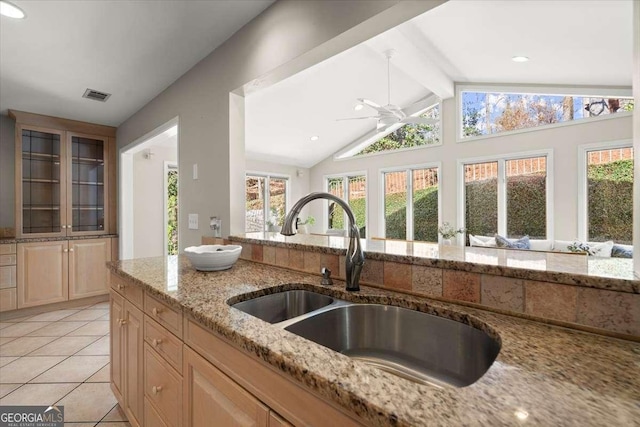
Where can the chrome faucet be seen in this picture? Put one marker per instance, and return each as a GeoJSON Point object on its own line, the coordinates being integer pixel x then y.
{"type": "Point", "coordinates": [355, 255]}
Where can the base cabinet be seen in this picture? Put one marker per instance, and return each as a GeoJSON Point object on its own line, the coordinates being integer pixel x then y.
{"type": "Point", "coordinates": [167, 370]}
{"type": "Point", "coordinates": [50, 272]}
{"type": "Point", "coordinates": [213, 399]}
{"type": "Point", "coordinates": [127, 357]}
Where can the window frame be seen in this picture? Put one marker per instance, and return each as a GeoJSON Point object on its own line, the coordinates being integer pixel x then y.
{"type": "Point", "coordinates": [266, 209]}
{"type": "Point", "coordinates": [345, 182]}
{"type": "Point", "coordinates": [382, 223]}
{"type": "Point", "coordinates": [539, 90]}
{"type": "Point", "coordinates": [583, 199]}
{"type": "Point", "coordinates": [502, 189]}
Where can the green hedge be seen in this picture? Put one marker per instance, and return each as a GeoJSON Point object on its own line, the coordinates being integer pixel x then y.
{"type": "Point", "coordinates": [425, 214]}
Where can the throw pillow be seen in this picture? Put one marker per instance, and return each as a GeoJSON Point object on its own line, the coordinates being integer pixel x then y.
{"type": "Point", "coordinates": [482, 241]}
{"type": "Point", "coordinates": [503, 242]}
{"type": "Point", "coordinates": [619, 251]}
{"type": "Point", "coordinates": [601, 250]}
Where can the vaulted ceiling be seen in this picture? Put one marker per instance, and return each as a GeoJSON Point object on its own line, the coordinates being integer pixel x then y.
{"type": "Point", "coordinates": [569, 42]}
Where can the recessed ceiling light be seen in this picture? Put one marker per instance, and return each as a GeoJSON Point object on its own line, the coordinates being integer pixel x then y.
{"type": "Point", "coordinates": [10, 10]}
{"type": "Point", "coordinates": [314, 138]}
{"type": "Point", "coordinates": [520, 58]}
{"type": "Point", "coordinates": [521, 414]}
{"type": "Point", "coordinates": [358, 107]}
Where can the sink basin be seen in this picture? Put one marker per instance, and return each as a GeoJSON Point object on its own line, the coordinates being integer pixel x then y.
{"type": "Point", "coordinates": [414, 345]}
{"type": "Point", "coordinates": [282, 306]}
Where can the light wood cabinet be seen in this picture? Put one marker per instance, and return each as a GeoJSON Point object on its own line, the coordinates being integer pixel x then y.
{"type": "Point", "coordinates": [276, 420]}
{"type": "Point", "coordinates": [88, 274]}
{"type": "Point", "coordinates": [162, 388]}
{"type": "Point", "coordinates": [116, 311]}
{"type": "Point", "coordinates": [50, 272]}
{"type": "Point", "coordinates": [42, 273]}
{"type": "Point", "coordinates": [211, 398]}
{"type": "Point", "coordinates": [133, 338]}
{"type": "Point", "coordinates": [64, 177]}
{"type": "Point", "coordinates": [8, 277]}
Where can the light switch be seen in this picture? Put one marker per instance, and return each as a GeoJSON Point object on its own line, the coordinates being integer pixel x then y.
{"type": "Point", "coordinates": [195, 171]}
{"type": "Point", "coordinates": [193, 221]}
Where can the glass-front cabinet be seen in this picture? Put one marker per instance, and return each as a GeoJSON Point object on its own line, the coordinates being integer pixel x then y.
{"type": "Point", "coordinates": [62, 189]}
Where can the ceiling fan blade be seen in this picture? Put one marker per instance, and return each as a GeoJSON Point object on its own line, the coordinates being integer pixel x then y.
{"type": "Point", "coordinates": [372, 104]}
{"type": "Point", "coordinates": [357, 118]}
{"type": "Point", "coordinates": [420, 121]}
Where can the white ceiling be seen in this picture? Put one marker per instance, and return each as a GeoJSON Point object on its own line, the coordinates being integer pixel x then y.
{"type": "Point", "coordinates": [576, 42]}
{"type": "Point", "coordinates": [132, 49]}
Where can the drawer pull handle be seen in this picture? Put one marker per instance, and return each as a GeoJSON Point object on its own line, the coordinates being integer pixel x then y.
{"type": "Point", "coordinates": [156, 389]}
{"type": "Point", "coordinates": [71, 250]}
{"type": "Point", "coordinates": [156, 311]}
{"type": "Point", "coordinates": [122, 322]}
{"type": "Point", "coordinates": [156, 342]}
{"type": "Point", "coordinates": [65, 250]}
{"type": "Point", "coordinates": [120, 287]}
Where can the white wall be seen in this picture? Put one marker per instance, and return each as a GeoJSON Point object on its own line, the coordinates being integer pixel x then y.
{"type": "Point", "coordinates": [287, 37]}
{"type": "Point", "coordinates": [563, 140]}
{"type": "Point", "coordinates": [7, 171]}
{"type": "Point", "coordinates": [148, 196]}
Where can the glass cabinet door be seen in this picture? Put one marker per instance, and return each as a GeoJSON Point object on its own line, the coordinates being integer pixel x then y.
{"type": "Point", "coordinates": [87, 184]}
{"type": "Point", "coordinates": [42, 182]}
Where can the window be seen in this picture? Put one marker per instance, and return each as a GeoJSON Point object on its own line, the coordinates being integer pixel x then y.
{"type": "Point", "coordinates": [507, 196]}
{"type": "Point", "coordinates": [411, 204]}
{"type": "Point", "coordinates": [489, 112]}
{"type": "Point", "coordinates": [266, 202]}
{"type": "Point", "coordinates": [608, 187]}
{"type": "Point", "coordinates": [353, 190]}
{"type": "Point", "coordinates": [410, 135]}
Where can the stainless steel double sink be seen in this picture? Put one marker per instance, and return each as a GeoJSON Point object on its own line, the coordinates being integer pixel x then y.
{"type": "Point", "coordinates": [417, 346]}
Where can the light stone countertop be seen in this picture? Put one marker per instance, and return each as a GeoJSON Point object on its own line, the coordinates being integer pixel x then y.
{"type": "Point", "coordinates": [571, 269]}
{"type": "Point", "coordinates": [557, 376]}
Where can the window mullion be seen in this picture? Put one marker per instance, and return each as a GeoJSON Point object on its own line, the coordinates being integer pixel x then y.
{"type": "Point", "coordinates": [267, 202]}
{"type": "Point", "coordinates": [502, 198]}
{"type": "Point", "coordinates": [409, 215]}
{"type": "Point", "coordinates": [345, 218]}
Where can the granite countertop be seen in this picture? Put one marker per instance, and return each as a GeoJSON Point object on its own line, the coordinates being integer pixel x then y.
{"type": "Point", "coordinates": [10, 240]}
{"type": "Point", "coordinates": [571, 269]}
{"type": "Point", "coordinates": [556, 376]}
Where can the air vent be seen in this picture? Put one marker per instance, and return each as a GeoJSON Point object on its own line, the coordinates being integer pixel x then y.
{"type": "Point", "coordinates": [96, 95]}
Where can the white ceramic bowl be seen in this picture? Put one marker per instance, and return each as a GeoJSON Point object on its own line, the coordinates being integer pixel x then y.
{"type": "Point", "coordinates": [213, 257]}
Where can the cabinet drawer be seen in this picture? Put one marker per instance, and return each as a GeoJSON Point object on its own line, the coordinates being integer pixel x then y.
{"type": "Point", "coordinates": [8, 276]}
{"type": "Point", "coordinates": [151, 416]}
{"type": "Point", "coordinates": [167, 316]}
{"type": "Point", "coordinates": [9, 248]}
{"type": "Point", "coordinates": [133, 293]}
{"type": "Point", "coordinates": [164, 342]}
{"type": "Point", "coordinates": [8, 299]}
{"type": "Point", "coordinates": [163, 388]}
{"type": "Point", "coordinates": [8, 259]}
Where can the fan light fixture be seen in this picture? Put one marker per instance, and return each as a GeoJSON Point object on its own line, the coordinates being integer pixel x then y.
{"type": "Point", "coordinates": [520, 58]}
{"type": "Point", "coordinates": [314, 138]}
{"type": "Point", "coordinates": [11, 10]}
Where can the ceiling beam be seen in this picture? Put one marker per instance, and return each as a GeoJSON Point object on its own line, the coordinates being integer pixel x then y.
{"type": "Point", "coordinates": [414, 58]}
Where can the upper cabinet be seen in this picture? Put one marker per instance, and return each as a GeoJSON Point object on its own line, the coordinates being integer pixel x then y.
{"type": "Point", "coordinates": [65, 177]}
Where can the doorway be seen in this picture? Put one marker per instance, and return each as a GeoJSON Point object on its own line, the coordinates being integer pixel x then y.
{"type": "Point", "coordinates": [148, 194]}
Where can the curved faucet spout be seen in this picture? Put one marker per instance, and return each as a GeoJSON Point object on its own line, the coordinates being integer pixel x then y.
{"type": "Point", "coordinates": [355, 255]}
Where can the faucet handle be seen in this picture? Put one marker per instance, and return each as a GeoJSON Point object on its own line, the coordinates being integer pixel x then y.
{"type": "Point", "coordinates": [326, 277]}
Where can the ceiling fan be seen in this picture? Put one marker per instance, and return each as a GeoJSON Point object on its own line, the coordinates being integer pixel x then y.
{"type": "Point", "coordinates": [391, 114]}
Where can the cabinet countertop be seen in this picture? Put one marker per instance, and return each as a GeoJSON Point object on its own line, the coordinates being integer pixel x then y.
{"type": "Point", "coordinates": [553, 375]}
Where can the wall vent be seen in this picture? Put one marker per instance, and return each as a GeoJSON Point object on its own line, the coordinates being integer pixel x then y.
{"type": "Point", "coordinates": [96, 95]}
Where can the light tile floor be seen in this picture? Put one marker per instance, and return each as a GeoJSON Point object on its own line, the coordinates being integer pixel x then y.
{"type": "Point", "coordinates": [61, 357]}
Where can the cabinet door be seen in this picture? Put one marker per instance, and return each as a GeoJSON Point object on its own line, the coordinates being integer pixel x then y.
{"type": "Point", "coordinates": [40, 182]}
{"type": "Point", "coordinates": [116, 326]}
{"type": "Point", "coordinates": [134, 364]}
{"type": "Point", "coordinates": [88, 190]}
{"type": "Point", "coordinates": [213, 399]}
{"type": "Point", "coordinates": [88, 274]}
{"type": "Point", "coordinates": [42, 273]}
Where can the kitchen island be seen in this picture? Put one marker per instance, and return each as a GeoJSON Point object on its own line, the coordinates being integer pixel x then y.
{"type": "Point", "coordinates": [543, 375]}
